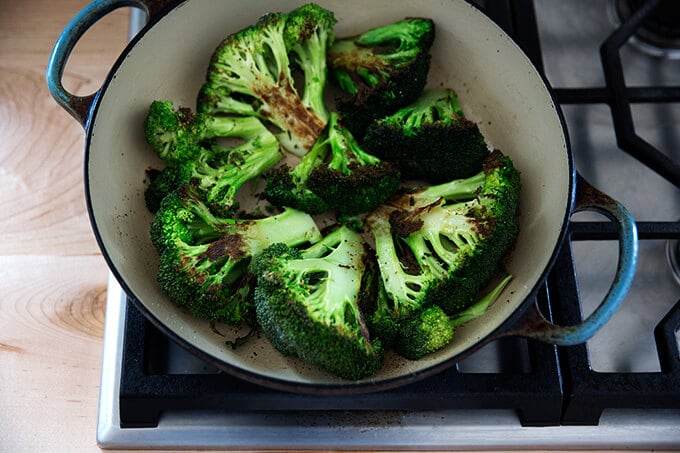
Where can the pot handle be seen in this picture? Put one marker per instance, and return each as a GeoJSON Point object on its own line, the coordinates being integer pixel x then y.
{"type": "Point", "coordinates": [533, 323]}
{"type": "Point", "coordinates": [79, 106]}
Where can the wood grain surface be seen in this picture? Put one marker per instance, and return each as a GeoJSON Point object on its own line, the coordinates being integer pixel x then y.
{"type": "Point", "coordinates": [52, 275]}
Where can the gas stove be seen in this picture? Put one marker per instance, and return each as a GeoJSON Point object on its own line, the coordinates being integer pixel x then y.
{"type": "Point", "coordinates": [615, 70]}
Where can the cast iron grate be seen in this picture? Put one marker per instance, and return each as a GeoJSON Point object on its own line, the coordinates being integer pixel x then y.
{"type": "Point", "coordinates": [588, 392]}
{"type": "Point", "coordinates": [147, 389]}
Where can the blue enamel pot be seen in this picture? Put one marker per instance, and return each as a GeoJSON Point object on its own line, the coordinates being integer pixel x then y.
{"type": "Point", "coordinates": [498, 88]}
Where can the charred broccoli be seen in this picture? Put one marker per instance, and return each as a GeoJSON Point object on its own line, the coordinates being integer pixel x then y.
{"type": "Point", "coordinates": [431, 329]}
{"type": "Point", "coordinates": [430, 138]}
{"type": "Point", "coordinates": [251, 73]}
{"type": "Point", "coordinates": [352, 181]}
{"type": "Point", "coordinates": [204, 259]}
{"type": "Point", "coordinates": [187, 143]}
{"type": "Point", "coordinates": [381, 70]}
{"type": "Point", "coordinates": [336, 173]}
{"type": "Point", "coordinates": [308, 303]}
{"type": "Point", "coordinates": [288, 187]}
{"type": "Point", "coordinates": [440, 245]}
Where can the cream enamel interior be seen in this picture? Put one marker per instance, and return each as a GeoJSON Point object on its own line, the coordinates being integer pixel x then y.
{"type": "Point", "coordinates": [497, 87]}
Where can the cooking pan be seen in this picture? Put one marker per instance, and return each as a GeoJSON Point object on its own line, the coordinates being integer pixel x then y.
{"type": "Point", "coordinates": [498, 88]}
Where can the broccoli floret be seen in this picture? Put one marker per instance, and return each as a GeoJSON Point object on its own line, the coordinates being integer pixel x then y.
{"type": "Point", "coordinates": [161, 183]}
{"type": "Point", "coordinates": [204, 259]}
{"type": "Point", "coordinates": [431, 329]}
{"type": "Point", "coordinates": [381, 70]}
{"type": "Point", "coordinates": [288, 187]}
{"type": "Point", "coordinates": [336, 173]}
{"type": "Point", "coordinates": [430, 138]}
{"type": "Point", "coordinates": [382, 320]}
{"type": "Point", "coordinates": [440, 245]}
{"type": "Point", "coordinates": [251, 73]}
{"type": "Point", "coordinates": [219, 170]}
{"type": "Point", "coordinates": [351, 181]}
{"type": "Point", "coordinates": [308, 303]}
{"type": "Point", "coordinates": [169, 132]}
{"type": "Point", "coordinates": [309, 33]}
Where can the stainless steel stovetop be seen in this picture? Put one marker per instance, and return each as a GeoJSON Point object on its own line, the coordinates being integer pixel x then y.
{"type": "Point", "coordinates": [570, 37]}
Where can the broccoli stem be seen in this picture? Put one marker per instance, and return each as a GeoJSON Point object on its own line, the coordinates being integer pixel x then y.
{"type": "Point", "coordinates": [246, 164]}
{"type": "Point", "coordinates": [311, 56]}
{"type": "Point", "coordinates": [480, 307]}
{"type": "Point", "coordinates": [345, 81]}
{"type": "Point", "coordinates": [458, 189]}
{"type": "Point", "coordinates": [291, 227]}
{"type": "Point", "coordinates": [396, 281]}
{"type": "Point", "coordinates": [226, 126]}
{"type": "Point", "coordinates": [300, 173]}
{"type": "Point", "coordinates": [345, 150]}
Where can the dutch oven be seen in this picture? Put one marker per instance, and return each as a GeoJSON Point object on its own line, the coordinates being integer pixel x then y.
{"type": "Point", "coordinates": [498, 87]}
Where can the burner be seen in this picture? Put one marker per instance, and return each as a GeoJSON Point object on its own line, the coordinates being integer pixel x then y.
{"type": "Point", "coordinates": [659, 33]}
{"type": "Point", "coordinates": [673, 255]}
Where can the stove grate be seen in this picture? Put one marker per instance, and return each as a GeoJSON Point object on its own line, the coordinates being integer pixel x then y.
{"type": "Point", "coordinates": [147, 389]}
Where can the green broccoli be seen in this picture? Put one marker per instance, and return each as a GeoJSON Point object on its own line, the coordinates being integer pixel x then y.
{"type": "Point", "coordinates": [308, 303]}
{"type": "Point", "coordinates": [204, 258]}
{"type": "Point", "coordinates": [219, 170]}
{"type": "Point", "coordinates": [431, 329]}
{"type": "Point", "coordinates": [288, 187]}
{"type": "Point", "coordinates": [440, 245]}
{"type": "Point", "coordinates": [429, 139]}
{"type": "Point", "coordinates": [170, 133]}
{"type": "Point", "coordinates": [381, 70]}
{"type": "Point", "coordinates": [351, 181]}
{"type": "Point", "coordinates": [251, 73]}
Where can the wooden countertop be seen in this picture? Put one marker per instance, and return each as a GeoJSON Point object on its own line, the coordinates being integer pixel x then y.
{"type": "Point", "coordinates": [52, 275]}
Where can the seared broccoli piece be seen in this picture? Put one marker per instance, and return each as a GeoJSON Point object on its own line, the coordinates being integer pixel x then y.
{"type": "Point", "coordinates": [309, 33]}
{"type": "Point", "coordinates": [440, 245]}
{"type": "Point", "coordinates": [170, 133]}
{"type": "Point", "coordinates": [431, 329]}
{"type": "Point", "coordinates": [288, 187]}
{"type": "Point", "coordinates": [430, 138]}
{"type": "Point", "coordinates": [381, 70]}
{"type": "Point", "coordinates": [308, 303]}
{"type": "Point", "coordinates": [251, 73]}
{"type": "Point", "coordinates": [351, 181]}
{"type": "Point", "coordinates": [219, 171]}
{"type": "Point", "coordinates": [204, 259]}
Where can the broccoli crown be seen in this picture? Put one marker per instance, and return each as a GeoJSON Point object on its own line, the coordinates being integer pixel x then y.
{"type": "Point", "coordinates": [251, 73]}
{"type": "Point", "coordinates": [431, 329]}
{"type": "Point", "coordinates": [288, 187]}
{"type": "Point", "coordinates": [429, 138]}
{"type": "Point", "coordinates": [382, 69]}
{"type": "Point", "coordinates": [204, 259]}
{"type": "Point", "coordinates": [441, 245]}
{"type": "Point", "coordinates": [161, 183]}
{"type": "Point", "coordinates": [426, 332]}
{"type": "Point", "coordinates": [308, 303]}
{"type": "Point", "coordinates": [352, 180]}
{"type": "Point", "coordinates": [169, 131]}
{"type": "Point", "coordinates": [219, 171]}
